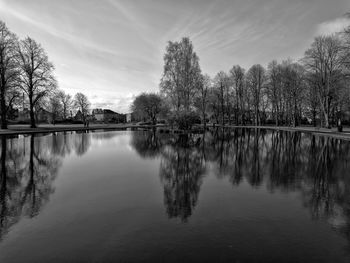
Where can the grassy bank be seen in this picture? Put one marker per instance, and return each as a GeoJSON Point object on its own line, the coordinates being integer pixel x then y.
{"type": "Point", "coordinates": [44, 128]}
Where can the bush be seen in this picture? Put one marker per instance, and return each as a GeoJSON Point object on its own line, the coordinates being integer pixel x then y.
{"type": "Point", "coordinates": [185, 120]}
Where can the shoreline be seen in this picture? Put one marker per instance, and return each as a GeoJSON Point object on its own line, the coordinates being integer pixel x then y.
{"type": "Point", "coordinates": [49, 128]}
{"type": "Point", "coordinates": [21, 129]}
{"type": "Point", "coordinates": [345, 135]}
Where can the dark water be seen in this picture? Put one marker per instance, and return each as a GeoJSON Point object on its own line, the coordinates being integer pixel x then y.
{"type": "Point", "coordinates": [131, 196]}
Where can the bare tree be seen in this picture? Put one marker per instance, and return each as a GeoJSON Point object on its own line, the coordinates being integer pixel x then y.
{"type": "Point", "coordinates": [274, 91]}
{"type": "Point", "coordinates": [311, 98]}
{"type": "Point", "coordinates": [66, 102]}
{"type": "Point", "coordinates": [182, 74]}
{"type": "Point", "coordinates": [8, 71]}
{"type": "Point", "coordinates": [294, 84]}
{"type": "Point", "coordinates": [237, 77]}
{"type": "Point", "coordinates": [256, 81]}
{"type": "Point", "coordinates": [324, 60]}
{"type": "Point", "coordinates": [214, 103]}
{"type": "Point", "coordinates": [346, 45]}
{"type": "Point", "coordinates": [82, 103]}
{"type": "Point", "coordinates": [36, 79]}
{"type": "Point", "coordinates": [202, 98]}
{"type": "Point", "coordinates": [222, 84]}
{"type": "Point", "coordinates": [55, 107]}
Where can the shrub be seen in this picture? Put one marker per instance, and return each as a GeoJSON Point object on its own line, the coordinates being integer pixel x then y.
{"type": "Point", "coordinates": [185, 120]}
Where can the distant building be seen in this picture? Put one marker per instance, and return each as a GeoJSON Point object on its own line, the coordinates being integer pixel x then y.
{"type": "Point", "coordinates": [131, 117]}
{"type": "Point", "coordinates": [107, 115]}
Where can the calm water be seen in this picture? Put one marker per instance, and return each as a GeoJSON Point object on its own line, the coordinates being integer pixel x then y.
{"type": "Point", "coordinates": [130, 196]}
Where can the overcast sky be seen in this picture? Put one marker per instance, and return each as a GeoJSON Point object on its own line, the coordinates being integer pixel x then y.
{"type": "Point", "coordinates": [113, 50]}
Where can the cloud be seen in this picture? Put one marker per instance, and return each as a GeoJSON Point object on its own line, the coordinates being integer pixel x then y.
{"type": "Point", "coordinates": [333, 26]}
{"type": "Point", "coordinates": [120, 104]}
{"type": "Point", "coordinates": [112, 50]}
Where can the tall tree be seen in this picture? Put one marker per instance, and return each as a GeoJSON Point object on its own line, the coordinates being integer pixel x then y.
{"type": "Point", "coordinates": [274, 86]}
{"type": "Point", "coordinates": [8, 71]}
{"type": "Point", "coordinates": [256, 81]}
{"type": "Point", "coordinates": [312, 101]}
{"type": "Point", "coordinates": [237, 77]}
{"type": "Point", "coordinates": [214, 103]}
{"type": "Point", "coordinates": [293, 83]}
{"type": "Point", "coordinates": [346, 46]}
{"type": "Point", "coordinates": [36, 78]}
{"type": "Point", "coordinates": [202, 98]}
{"type": "Point", "coordinates": [55, 107]}
{"type": "Point", "coordinates": [222, 84]}
{"type": "Point", "coordinates": [66, 102]}
{"type": "Point", "coordinates": [324, 60]}
{"type": "Point", "coordinates": [82, 103]}
{"type": "Point", "coordinates": [182, 74]}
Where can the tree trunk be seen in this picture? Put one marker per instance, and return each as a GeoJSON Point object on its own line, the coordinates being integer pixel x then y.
{"type": "Point", "coordinates": [314, 118]}
{"type": "Point", "coordinates": [64, 112]}
{"type": "Point", "coordinates": [328, 101]}
{"type": "Point", "coordinates": [295, 114]}
{"type": "Point", "coordinates": [204, 120]}
{"type": "Point", "coordinates": [3, 110]}
{"type": "Point", "coordinates": [276, 117]}
{"type": "Point", "coordinates": [31, 112]}
{"type": "Point", "coordinates": [222, 113]}
{"type": "Point", "coordinates": [3, 176]}
{"type": "Point", "coordinates": [3, 157]}
{"type": "Point", "coordinates": [324, 103]}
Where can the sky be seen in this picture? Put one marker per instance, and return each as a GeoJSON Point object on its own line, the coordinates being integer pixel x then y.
{"type": "Point", "coordinates": [112, 50]}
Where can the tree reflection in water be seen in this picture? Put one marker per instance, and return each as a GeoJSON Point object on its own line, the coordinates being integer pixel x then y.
{"type": "Point", "coordinates": [82, 142]}
{"type": "Point", "coordinates": [27, 172]}
{"type": "Point", "coordinates": [315, 166]}
{"type": "Point", "coordinates": [181, 171]}
{"type": "Point", "coordinates": [29, 165]}
{"type": "Point", "coordinates": [181, 168]}
{"type": "Point", "coordinates": [147, 143]}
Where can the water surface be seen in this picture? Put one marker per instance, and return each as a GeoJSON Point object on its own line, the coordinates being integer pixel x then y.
{"type": "Point", "coordinates": [240, 195]}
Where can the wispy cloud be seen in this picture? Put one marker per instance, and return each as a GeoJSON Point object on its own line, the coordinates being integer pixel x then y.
{"type": "Point", "coordinates": [333, 26]}
{"type": "Point", "coordinates": [113, 50]}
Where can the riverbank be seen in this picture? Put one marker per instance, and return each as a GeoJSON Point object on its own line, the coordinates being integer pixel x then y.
{"type": "Point", "coordinates": [345, 135]}
{"type": "Point", "coordinates": [47, 128]}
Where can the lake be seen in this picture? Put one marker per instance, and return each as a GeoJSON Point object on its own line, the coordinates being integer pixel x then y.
{"type": "Point", "coordinates": [240, 195]}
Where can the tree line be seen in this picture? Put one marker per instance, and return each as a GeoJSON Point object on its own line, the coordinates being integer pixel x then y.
{"type": "Point", "coordinates": [27, 77]}
{"type": "Point", "coordinates": [313, 90]}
